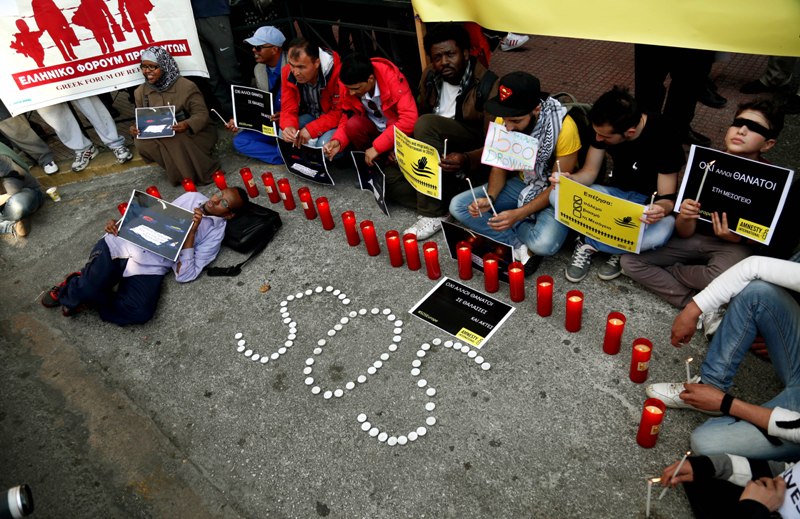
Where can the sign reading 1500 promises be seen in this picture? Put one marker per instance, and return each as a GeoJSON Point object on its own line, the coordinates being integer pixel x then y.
{"type": "Point", "coordinates": [751, 193]}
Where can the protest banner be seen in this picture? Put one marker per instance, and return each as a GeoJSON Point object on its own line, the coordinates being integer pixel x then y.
{"type": "Point", "coordinates": [419, 163]}
{"type": "Point", "coordinates": [512, 151]}
{"type": "Point", "coordinates": [751, 193]}
{"type": "Point", "coordinates": [54, 51]}
{"type": "Point", "coordinates": [481, 245]}
{"type": "Point", "coordinates": [306, 161]}
{"type": "Point", "coordinates": [155, 225]}
{"type": "Point", "coordinates": [371, 178]}
{"type": "Point", "coordinates": [252, 110]}
{"type": "Point", "coordinates": [464, 313]}
{"type": "Point", "coordinates": [607, 219]}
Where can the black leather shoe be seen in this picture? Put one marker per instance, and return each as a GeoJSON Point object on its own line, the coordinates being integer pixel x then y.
{"type": "Point", "coordinates": [693, 137]}
{"type": "Point", "coordinates": [712, 99]}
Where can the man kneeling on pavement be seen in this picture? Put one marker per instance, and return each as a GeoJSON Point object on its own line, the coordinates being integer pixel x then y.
{"type": "Point", "coordinates": [137, 273]}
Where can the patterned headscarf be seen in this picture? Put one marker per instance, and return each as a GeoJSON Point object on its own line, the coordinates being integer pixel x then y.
{"type": "Point", "coordinates": [169, 69]}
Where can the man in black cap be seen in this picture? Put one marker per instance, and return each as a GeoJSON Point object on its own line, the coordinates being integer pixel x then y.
{"type": "Point", "coordinates": [524, 217]}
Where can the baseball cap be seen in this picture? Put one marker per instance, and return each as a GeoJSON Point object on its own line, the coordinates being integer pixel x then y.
{"type": "Point", "coordinates": [517, 94]}
{"type": "Point", "coordinates": [267, 35]}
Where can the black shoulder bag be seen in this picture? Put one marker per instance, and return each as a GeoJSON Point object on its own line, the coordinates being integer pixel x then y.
{"type": "Point", "coordinates": [250, 230]}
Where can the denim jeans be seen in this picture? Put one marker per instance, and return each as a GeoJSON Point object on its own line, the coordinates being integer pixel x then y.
{"type": "Point", "coordinates": [544, 236]}
{"type": "Point", "coordinates": [655, 235]}
{"type": "Point", "coordinates": [320, 141]}
{"type": "Point", "coordinates": [768, 310]}
{"type": "Point", "coordinates": [20, 205]}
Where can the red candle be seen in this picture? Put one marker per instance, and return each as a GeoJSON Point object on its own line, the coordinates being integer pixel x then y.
{"type": "Point", "coordinates": [574, 311]}
{"type": "Point", "coordinates": [324, 209]}
{"type": "Point", "coordinates": [270, 187]}
{"type": "Point", "coordinates": [285, 190]}
{"type": "Point", "coordinates": [219, 179]}
{"type": "Point", "coordinates": [349, 222]}
{"type": "Point", "coordinates": [412, 251]}
{"type": "Point", "coordinates": [304, 194]}
{"type": "Point", "coordinates": [544, 296]}
{"type": "Point", "coordinates": [640, 359]}
{"type": "Point", "coordinates": [153, 191]}
{"type": "Point", "coordinates": [370, 237]}
{"type": "Point", "coordinates": [516, 281]}
{"type": "Point", "coordinates": [491, 277]}
{"type": "Point", "coordinates": [650, 424]}
{"type": "Point", "coordinates": [464, 256]}
{"type": "Point", "coordinates": [188, 185]}
{"type": "Point", "coordinates": [393, 244]}
{"type": "Point", "coordinates": [431, 252]}
{"type": "Point", "coordinates": [249, 182]}
{"type": "Point", "coordinates": [122, 208]}
{"type": "Point", "coordinates": [614, 327]}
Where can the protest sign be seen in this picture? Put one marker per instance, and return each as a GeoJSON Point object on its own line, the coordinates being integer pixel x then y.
{"type": "Point", "coordinates": [56, 51]}
{"type": "Point", "coordinates": [419, 163]}
{"type": "Point", "coordinates": [751, 193]}
{"type": "Point", "coordinates": [155, 122]}
{"type": "Point", "coordinates": [464, 313]}
{"type": "Point", "coordinates": [512, 151]}
{"type": "Point", "coordinates": [155, 225]}
{"type": "Point", "coordinates": [252, 110]}
{"type": "Point", "coordinates": [481, 245]}
{"type": "Point", "coordinates": [605, 218]}
{"type": "Point", "coordinates": [305, 161]}
{"type": "Point", "coordinates": [371, 178]}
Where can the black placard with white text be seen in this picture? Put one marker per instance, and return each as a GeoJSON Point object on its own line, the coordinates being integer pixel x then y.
{"type": "Point", "coordinates": [252, 110]}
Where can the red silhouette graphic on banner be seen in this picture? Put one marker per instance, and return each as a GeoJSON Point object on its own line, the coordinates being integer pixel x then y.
{"type": "Point", "coordinates": [49, 19]}
{"type": "Point", "coordinates": [95, 16]}
{"type": "Point", "coordinates": [26, 42]}
{"type": "Point", "coordinates": [134, 17]}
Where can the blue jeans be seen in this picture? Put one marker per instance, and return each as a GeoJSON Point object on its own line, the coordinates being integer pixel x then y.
{"type": "Point", "coordinates": [768, 310]}
{"type": "Point", "coordinates": [544, 236]}
{"type": "Point", "coordinates": [655, 235]}
{"type": "Point", "coordinates": [320, 141]}
{"type": "Point", "coordinates": [136, 297]}
{"type": "Point", "coordinates": [18, 206]}
{"type": "Point", "coordinates": [258, 146]}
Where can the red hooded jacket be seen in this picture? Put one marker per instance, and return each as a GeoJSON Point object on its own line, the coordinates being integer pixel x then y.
{"type": "Point", "coordinates": [328, 99]}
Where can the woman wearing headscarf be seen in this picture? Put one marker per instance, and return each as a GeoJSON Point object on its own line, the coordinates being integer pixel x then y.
{"type": "Point", "coordinates": [188, 153]}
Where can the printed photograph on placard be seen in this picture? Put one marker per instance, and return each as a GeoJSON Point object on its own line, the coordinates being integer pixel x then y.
{"type": "Point", "coordinates": [481, 245]}
{"type": "Point", "coordinates": [750, 193]}
{"type": "Point", "coordinates": [306, 161]}
{"type": "Point", "coordinates": [155, 122]}
{"type": "Point", "coordinates": [252, 110]}
{"type": "Point", "coordinates": [155, 225]}
{"type": "Point", "coordinates": [371, 178]}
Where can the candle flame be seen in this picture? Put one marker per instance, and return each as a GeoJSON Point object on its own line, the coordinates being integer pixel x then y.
{"type": "Point", "coordinates": [642, 347]}
{"type": "Point", "coordinates": [654, 480]}
{"type": "Point", "coordinates": [653, 409]}
{"type": "Point", "coordinates": [575, 299]}
{"type": "Point", "coordinates": [711, 163]}
{"type": "Point", "coordinates": [690, 359]}
{"type": "Point", "coordinates": [615, 321]}
{"type": "Point", "coordinates": [545, 284]}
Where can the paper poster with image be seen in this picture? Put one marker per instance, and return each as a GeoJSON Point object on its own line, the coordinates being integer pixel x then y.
{"type": "Point", "coordinates": [419, 163]}
{"type": "Point", "coordinates": [464, 313]}
{"type": "Point", "coordinates": [155, 225]}
{"type": "Point", "coordinates": [481, 245]}
{"type": "Point", "coordinates": [512, 151]}
{"type": "Point", "coordinates": [371, 178]}
{"type": "Point", "coordinates": [306, 161]}
{"type": "Point", "coordinates": [155, 122]}
{"type": "Point", "coordinates": [252, 110]}
{"type": "Point", "coordinates": [605, 218]}
{"type": "Point", "coordinates": [751, 193]}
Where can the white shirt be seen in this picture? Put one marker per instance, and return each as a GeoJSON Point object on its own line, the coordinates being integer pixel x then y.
{"type": "Point", "coordinates": [447, 100]}
{"type": "Point", "coordinates": [379, 122]}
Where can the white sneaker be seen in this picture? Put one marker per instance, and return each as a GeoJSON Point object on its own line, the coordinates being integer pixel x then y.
{"type": "Point", "coordinates": [425, 227]}
{"type": "Point", "coordinates": [710, 321]}
{"type": "Point", "coordinates": [123, 154]}
{"type": "Point", "coordinates": [83, 157]}
{"type": "Point", "coordinates": [513, 41]}
{"type": "Point", "coordinates": [669, 393]}
{"type": "Point", "coordinates": [522, 254]}
{"type": "Point", "coordinates": [50, 168]}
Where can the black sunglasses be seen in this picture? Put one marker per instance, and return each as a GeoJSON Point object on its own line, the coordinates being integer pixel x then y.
{"type": "Point", "coordinates": [265, 46]}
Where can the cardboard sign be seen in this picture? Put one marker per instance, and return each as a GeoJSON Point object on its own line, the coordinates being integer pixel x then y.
{"type": "Point", "coordinates": [155, 225]}
{"type": "Point", "coordinates": [306, 161]}
{"type": "Point", "coordinates": [605, 218]}
{"type": "Point", "coordinates": [751, 193]}
{"type": "Point", "coordinates": [512, 151]}
{"type": "Point", "coordinates": [464, 313]}
{"type": "Point", "coordinates": [155, 122]}
{"type": "Point", "coordinates": [419, 163]}
{"type": "Point", "coordinates": [481, 245]}
{"type": "Point", "coordinates": [371, 178]}
{"type": "Point", "coordinates": [252, 110]}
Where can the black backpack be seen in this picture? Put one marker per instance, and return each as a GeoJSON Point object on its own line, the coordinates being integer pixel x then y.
{"type": "Point", "coordinates": [250, 230]}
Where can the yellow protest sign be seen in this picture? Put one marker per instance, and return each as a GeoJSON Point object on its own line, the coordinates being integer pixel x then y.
{"type": "Point", "coordinates": [419, 163]}
{"type": "Point", "coordinates": [608, 219]}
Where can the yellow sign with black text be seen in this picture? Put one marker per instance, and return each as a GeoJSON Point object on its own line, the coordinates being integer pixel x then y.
{"type": "Point", "coordinates": [419, 163]}
{"type": "Point", "coordinates": [605, 218]}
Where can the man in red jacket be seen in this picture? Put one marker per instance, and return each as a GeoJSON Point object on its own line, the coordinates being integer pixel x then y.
{"type": "Point", "coordinates": [310, 110]}
{"type": "Point", "coordinates": [375, 98]}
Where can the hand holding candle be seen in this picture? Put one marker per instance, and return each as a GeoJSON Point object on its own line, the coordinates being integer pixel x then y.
{"type": "Point", "coordinates": [615, 325]}
{"type": "Point", "coordinates": [650, 424]}
{"type": "Point", "coordinates": [544, 296]}
{"type": "Point", "coordinates": [677, 471]}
